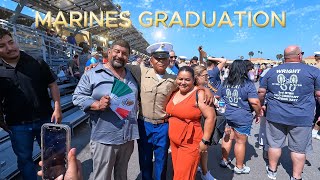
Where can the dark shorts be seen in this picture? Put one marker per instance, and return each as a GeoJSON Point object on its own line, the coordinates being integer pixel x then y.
{"type": "Point", "coordinates": [299, 138]}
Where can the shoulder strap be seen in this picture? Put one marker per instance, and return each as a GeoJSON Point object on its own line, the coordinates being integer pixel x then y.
{"type": "Point", "coordinates": [197, 97]}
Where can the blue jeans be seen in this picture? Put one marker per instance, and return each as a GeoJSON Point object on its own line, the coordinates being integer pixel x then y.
{"type": "Point", "coordinates": [153, 139]}
{"type": "Point", "coordinates": [241, 129]}
{"type": "Point", "coordinates": [22, 138]}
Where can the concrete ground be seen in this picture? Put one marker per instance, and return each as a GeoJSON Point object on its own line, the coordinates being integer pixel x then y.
{"type": "Point", "coordinates": [253, 159]}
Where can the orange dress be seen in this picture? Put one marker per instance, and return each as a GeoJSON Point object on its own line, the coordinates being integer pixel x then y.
{"type": "Point", "coordinates": [185, 134]}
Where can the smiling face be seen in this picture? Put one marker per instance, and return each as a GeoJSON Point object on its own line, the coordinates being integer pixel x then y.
{"type": "Point", "coordinates": [118, 56]}
{"type": "Point", "coordinates": [172, 59]}
{"type": "Point", "coordinates": [185, 81]}
{"type": "Point", "coordinates": [9, 50]}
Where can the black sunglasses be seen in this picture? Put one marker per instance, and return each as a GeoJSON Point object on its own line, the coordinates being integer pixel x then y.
{"type": "Point", "coordinates": [302, 53]}
{"type": "Point", "coordinates": [173, 57]}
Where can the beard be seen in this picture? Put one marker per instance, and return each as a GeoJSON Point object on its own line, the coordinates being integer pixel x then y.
{"type": "Point", "coordinates": [117, 63]}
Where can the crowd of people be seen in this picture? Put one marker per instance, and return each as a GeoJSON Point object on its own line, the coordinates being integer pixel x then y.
{"type": "Point", "coordinates": [175, 105]}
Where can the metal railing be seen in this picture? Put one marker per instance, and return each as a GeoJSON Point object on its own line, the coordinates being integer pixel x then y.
{"type": "Point", "coordinates": [37, 44]}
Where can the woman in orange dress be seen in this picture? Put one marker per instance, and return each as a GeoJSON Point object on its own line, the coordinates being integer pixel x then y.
{"type": "Point", "coordinates": [187, 140]}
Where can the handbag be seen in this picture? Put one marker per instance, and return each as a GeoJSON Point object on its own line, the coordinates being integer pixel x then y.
{"type": "Point", "coordinates": [218, 129]}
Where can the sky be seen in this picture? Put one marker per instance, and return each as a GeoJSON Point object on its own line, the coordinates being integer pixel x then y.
{"type": "Point", "coordinates": [302, 26]}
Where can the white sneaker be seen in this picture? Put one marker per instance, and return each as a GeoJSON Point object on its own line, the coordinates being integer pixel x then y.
{"type": "Point", "coordinates": [317, 137]}
{"type": "Point", "coordinates": [199, 169]}
{"type": "Point", "coordinates": [260, 147]}
{"type": "Point", "coordinates": [245, 170]}
{"type": "Point", "coordinates": [314, 133]}
{"type": "Point", "coordinates": [208, 176]}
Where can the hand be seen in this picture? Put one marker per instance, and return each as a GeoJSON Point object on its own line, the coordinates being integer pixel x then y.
{"type": "Point", "coordinates": [56, 116]}
{"type": "Point", "coordinates": [202, 147]}
{"type": "Point", "coordinates": [104, 103]}
{"type": "Point", "coordinates": [91, 66]}
{"type": "Point", "coordinates": [257, 119]}
{"type": "Point", "coordinates": [200, 48]}
{"type": "Point", "coordinates": [261, 112]}
{"type": "Point", "coordinates": [209, 97]}
{"type": "Point", "coordinates": [73, 172]}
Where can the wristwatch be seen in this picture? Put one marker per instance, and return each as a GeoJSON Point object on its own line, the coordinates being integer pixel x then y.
{"type": "Point", "coordinates": [205, 142]}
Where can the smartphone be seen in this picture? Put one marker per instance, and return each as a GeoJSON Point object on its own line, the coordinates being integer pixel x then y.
{"type": "Point", "coordinates": [55, 145]}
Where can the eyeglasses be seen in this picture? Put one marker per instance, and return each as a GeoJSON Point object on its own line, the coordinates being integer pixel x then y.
{"type": "Point", "coordinates": [173, 57]}
{"type": "Point", "coordinates": [302, 53]}
{"type": "Point", "coordinates": [204, 75]}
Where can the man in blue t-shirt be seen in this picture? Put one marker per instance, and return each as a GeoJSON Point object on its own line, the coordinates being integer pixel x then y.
{"type": "Point", "coordinates": [289, 89]}
{"type": "Point", "coordinates": [95, 58]}
{"type": "Point", "coordinates": [173, 67]}
{"type": "Point", "coordinates": [214, 66]}
{"type": "Point", "coordinates": [71, 39]}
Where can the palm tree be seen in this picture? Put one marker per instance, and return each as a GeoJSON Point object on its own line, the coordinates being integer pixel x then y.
{"type": "Point", "coordinates": [260, 52]}
{"type": "Point", "coordinates": [251, 53]}
{"type": "Point", "coordinates": [279, 56]}
{"type": "Point", "coordinates": [118, 6]}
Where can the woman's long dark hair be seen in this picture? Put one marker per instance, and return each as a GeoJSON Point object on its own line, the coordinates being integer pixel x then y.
{"type": "Point", "coordinates": [238, 73]}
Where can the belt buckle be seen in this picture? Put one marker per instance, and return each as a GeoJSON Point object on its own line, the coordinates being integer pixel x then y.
{"type": "Point", "coordinates": [159, 121]}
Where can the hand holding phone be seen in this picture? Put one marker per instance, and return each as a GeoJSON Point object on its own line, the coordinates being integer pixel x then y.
{"type": "Point", "coordinates": [73, 172]}
{"type": "Point", "coordinates": [55, 145]}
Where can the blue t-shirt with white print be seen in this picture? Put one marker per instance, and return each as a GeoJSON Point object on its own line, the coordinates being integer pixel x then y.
{"type": "Point", "coordinates": [290, 93]}
{"type": "Point", "coordinates": [238, 108]}
{"type": "Point", "coordinates": [214, 77]}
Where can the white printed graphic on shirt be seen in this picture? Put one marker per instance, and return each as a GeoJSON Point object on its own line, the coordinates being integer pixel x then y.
{"type": "Point", "coordinates": [287, 85]}
{"type": "Point", "coordinates": [233, 97]}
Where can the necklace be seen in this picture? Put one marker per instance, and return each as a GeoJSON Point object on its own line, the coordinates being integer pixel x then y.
{"type": "Point", "coordinates": [114, 72]}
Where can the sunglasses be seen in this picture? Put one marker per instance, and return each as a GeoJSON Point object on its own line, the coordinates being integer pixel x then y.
{"type": "Point", "coordinates": [173, 57]}
{"type": "Point", "coordinates": [302, 53]}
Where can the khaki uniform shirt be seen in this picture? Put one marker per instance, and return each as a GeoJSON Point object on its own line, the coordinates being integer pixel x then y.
{"type": "Point", "coordinates": [154, 92]}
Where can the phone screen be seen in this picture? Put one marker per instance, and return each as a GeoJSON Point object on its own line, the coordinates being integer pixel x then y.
{"type": "Point", "coordinates": [54, 149]}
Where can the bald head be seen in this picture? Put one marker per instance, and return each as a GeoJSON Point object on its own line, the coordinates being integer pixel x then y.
{"type": "Point", "coordinates": [293, 54]}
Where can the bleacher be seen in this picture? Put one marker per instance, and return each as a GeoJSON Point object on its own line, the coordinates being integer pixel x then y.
{"type": "Point", "coordinates": [34, 43]}
{"type": "Point", "coordinates": [72, 116]}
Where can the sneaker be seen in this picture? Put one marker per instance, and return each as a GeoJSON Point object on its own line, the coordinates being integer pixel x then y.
{"type": "Point", "coordinates": [245, 170]}
{"type": "Point", "coordinates": [271, 174]}
{"type": "Point", "coordinates": [225, 164]}
{"type": "Point", "coordinates": [199, 169]}
{"type": "Point", "coordinates": [314, 133]}
{"type": "Point", "coordinates": [292, 178]}
{"type": "Point", "coordinates": [208, 176]}
{"type": "Point", "coordinates": [260, 147]}
{"type": "Point", "coordinates": [317, 137]}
